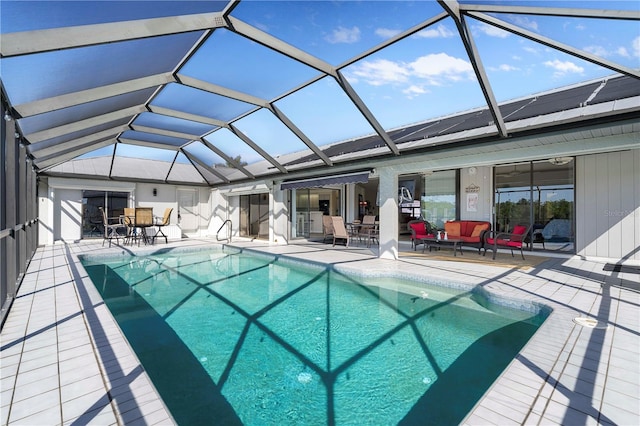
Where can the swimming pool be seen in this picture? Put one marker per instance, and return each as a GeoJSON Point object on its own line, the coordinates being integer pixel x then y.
{"type": "Point", "coordinates": [238, 338]}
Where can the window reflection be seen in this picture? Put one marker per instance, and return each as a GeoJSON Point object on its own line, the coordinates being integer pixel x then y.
{"type": "Point", "coordinates": [439, 202]}
{"type": "Point", "coordinates": [538, 193]}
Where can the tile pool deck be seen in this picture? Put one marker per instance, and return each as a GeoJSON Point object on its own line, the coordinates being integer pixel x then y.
{"type": "Point", "coordinates": [64, 360]}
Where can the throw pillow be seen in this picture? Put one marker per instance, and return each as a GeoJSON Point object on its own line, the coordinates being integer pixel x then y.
{"type": "Point", "coordinates": [452, 229]}
{"type": "Point", "coordinates": [478, 230]}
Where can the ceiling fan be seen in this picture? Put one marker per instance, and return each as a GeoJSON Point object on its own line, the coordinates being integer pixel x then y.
{"type": "Point", "coordinates": [511, 173]}
{"type": "Point", "coordinates": [560, 161]}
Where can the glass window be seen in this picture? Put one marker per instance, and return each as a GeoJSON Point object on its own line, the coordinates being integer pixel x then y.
{"type": "Point", "coordinates": [254, 216]}
{"type": "Point", "coordinates": [92, 221]}
{"type": "Point", "coordinates": [439, 203]}
{"type": "Point", "coordinates": [309, 207]}
{"type": "Point", "coordinates": [540, 194]}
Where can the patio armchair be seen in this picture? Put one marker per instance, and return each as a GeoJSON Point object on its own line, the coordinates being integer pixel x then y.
{"type": "Point", "coordinates": [420, 229]}
{"type": "Point", "coordinates": [513, 240]}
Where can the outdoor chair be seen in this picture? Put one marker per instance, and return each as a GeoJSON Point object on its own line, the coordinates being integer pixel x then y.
{"type": "Point", "coordinates": [128, 220]}
{"type": "Point", "coordinates": [420, 229]}
{"type": "Point", "coordinates": [144, 220]}
{"type": "Point", "coordinates": [514, 240]}
{"type": "Point", "coordinates": [339, 230]}
{"type": "Point", "coordinates": [110, 228]}
{"type": "Point", "coordinates": [161, 222]}
{"type": "Point", "coordinates": [368, 229]}
{"type": "Point", "coordinates": [327, 227]}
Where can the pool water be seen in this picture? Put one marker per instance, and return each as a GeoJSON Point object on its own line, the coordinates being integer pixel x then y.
{"type": "Point", "coordinates": [235, 338]}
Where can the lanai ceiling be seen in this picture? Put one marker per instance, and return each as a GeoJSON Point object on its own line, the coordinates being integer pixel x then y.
{"type": "Point", "coordinates": [216, 92]}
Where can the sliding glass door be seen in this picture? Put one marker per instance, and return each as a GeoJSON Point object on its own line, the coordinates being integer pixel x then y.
{"type": "Point", "coordinates": [254, 216]}
{"type": "Point", "coordinates": [540, 194]}
{"type": "Point", "coordinates": [112, 202]}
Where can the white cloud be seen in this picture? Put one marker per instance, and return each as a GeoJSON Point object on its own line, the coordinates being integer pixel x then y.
{"type": "Point", "coordinates": [635, 44]}
{"type": "Point", "coordinates": [506, 68]}
{"type": "Point", "coordinates": [562, 68]}
{"type": "Point", "coordinates": [597, 50]}
{"type": "Point", "coordinates": [439, 68]}
{"type": "Point", "coordinates": [524, 22]}
{"type": "Point", "coordinates": [622, 51]}
{"type": "Point", "coordinates": [386, 32]}
{"type": "Point", "coordinates": [430, 70]}
{"type": "Point", "coordinates": [441, 31]}
{"type": "Point", "coordinates": [344, 35]}
{"type": "Point", "coordinates": [414, 90]}
{"type": "Point", "coordinates": [491, 31]}
{"type": "Point", "coordinates": [380, 72]}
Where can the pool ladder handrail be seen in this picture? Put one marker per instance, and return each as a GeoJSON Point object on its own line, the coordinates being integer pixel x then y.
{"type": "Point", "coordinates": [228, 233]}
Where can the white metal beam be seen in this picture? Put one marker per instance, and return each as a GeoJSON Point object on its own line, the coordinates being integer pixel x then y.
{"type": "Point", "coordinates": [37, 41]}
{"type": "Point", "coordinates": [221, 90]}
{"type": "Point", "coordinates": [76, 151]}
{"type": "Point", "coordinates": [62, 147]}
{"type": "Point", "coordinates": [246, 139]}
{"type": "Point", "coordinates": [280, 46]}
{"type": "Point", "coordinates": [453, 8]}
{"type": "Point", "coordinates": [76, 98]}
{"type": "Point", "coordinates": [552, 11]}
{"type": "Point", "coordinates": [84, 124]}
{"type": "Point", "coordinates": [186, 116]}
{"type": "Point", "coordinates": [555, 44]}
{"type": "Point", "coordinates": [300, 134]}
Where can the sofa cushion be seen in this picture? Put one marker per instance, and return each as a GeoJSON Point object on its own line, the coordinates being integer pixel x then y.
{"type": "Point", "coordinates": [477, 230]}
{"type": "Point", "coordinates": [469, 239]}
{"type": "Point", "coordinates": [505, 243]}
{"type": "Point", "coordinates": [452, 229]}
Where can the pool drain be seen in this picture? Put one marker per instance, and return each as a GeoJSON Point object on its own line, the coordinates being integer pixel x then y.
{"type": "Point", "coordinates": [589, 322]}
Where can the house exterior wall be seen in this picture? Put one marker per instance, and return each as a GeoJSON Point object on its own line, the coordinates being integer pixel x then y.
{"type": "Point", "coordinates": [60, 206]}
{"type": "Point", "coordinates": [608, 206]}
{"type": "Point", "coordinates": [67, 214]}
{"type": "Point", "coordinates": [607, 203]}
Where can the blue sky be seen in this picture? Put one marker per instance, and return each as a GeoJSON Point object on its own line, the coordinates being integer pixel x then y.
{"type": "Point", "coordinates": [426, 75]}
{"type": "Point", "coordinates": [429, 74]}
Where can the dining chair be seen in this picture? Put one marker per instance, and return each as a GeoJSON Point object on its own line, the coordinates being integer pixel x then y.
{"type": "Point", "coordinates": [110, 228]}
{"type": "Point", "coordinates": [161, 222]}
{"type": "Point", "coordinates": [144, 220]}
{"type": "Point", "coordinates": [128, 220]}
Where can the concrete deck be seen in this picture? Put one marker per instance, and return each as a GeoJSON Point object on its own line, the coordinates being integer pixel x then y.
{"type": "Point", "coordinates": [64, 360]}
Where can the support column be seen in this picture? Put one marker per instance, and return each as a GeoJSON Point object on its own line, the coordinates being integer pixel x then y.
{"type": "Point", "coordinates": [388, 213]}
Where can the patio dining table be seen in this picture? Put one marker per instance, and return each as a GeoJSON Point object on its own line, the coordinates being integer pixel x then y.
{"type": "Point", "coordinates": [138, 223]}
{"type": "Point", "coordinates": [367, 231]}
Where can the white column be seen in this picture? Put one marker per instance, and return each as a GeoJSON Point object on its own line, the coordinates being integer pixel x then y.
{"type": "Point", "coordinates": [388, 213]}
{"type": "Point", "coordinates": [45, 214]}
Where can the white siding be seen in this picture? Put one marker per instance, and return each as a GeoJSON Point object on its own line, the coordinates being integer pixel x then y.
{"type": "Point", "coordinates": [608, 205]}
{"type": "Point", "coordinates": [67, 214]}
